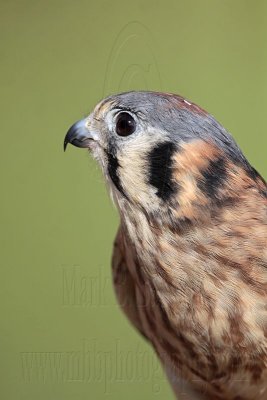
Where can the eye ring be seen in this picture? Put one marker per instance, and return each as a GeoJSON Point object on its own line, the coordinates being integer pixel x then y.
{"type": "Point", "coordinates": [125, 124]}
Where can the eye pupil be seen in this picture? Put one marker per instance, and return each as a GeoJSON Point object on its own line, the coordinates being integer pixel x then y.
{"type": "Point", "coordinates": [125, 124]}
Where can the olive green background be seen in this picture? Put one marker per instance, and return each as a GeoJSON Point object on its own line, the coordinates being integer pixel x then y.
{"type": "Point", "coordinates": [62, 334]}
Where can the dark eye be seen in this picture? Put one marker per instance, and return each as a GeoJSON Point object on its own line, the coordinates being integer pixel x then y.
{"type": "Point", "coordinates": [125, 124]}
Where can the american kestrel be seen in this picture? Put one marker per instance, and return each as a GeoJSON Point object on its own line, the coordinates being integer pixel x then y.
{"type": "Point", "coordinates": [190, 257]}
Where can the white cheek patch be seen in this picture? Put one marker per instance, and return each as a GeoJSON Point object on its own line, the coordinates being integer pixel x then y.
{"type": "Point", "coordinates": [134, 169]}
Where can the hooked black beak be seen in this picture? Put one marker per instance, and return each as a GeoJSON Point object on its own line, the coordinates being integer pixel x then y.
{"type": "Point", "coordinates": [78, 135]}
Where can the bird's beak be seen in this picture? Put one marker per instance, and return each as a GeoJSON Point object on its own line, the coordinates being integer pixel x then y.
{"type": "Point", "coordinates": [79, 135]}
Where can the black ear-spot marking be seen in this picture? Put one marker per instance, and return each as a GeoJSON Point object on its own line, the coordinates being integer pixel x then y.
{"type": "Point", "coordinates": [160, 169]}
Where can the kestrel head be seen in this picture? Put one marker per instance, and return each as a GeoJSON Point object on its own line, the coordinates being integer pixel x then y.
{"type": "Point", "coordinates": [153, 146]}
